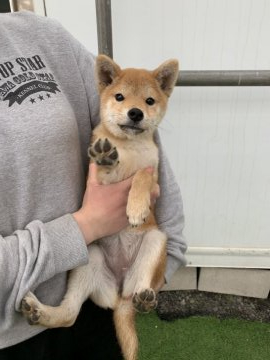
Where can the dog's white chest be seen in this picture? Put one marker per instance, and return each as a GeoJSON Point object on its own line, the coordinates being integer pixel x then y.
{"type": "Point", "coordinates": [140, 154]}
{"type": "Point", "coordinates": [132, 157]}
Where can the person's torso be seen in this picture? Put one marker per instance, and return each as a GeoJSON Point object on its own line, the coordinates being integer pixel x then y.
{"type": "Point", "coordinates": [42, 162]}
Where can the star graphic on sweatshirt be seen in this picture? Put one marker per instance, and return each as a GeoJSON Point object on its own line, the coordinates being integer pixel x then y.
{"type": "Point", "coordinates": [41, 97]}
{"type": "Point", "coordinates": [32, 100]}
{"type": "Point", "coordinates": [48, 95]}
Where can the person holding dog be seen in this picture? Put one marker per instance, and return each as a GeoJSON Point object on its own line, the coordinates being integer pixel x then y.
{"type": "Point", "coordinates": [49, 213]}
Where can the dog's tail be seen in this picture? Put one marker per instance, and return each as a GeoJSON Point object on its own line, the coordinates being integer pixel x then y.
{"type": "Point", "coordinates": [124, 320]}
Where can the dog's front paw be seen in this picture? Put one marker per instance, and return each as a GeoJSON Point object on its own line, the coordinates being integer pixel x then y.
{"type": "Point", "coordinates": [137, 211]}
{"type": "Point", "coordinates": [145, 300]}
{"type": "Point", "coordinates": [31, 309]}
{"type": "Point", "coordinates": [104, 153]}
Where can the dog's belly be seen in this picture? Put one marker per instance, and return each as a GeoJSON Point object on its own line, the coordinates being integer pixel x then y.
{"type": "Point", "coordinates": [120, 252]}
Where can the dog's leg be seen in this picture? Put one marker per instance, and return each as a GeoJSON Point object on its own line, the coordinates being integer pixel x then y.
{"type": "Point", "coordinates": [139, 199]}
{"type": "Point", "coordinates": [93, 280]}
{"type": "Point", "coordinates": [124, 320]}
{"type": "Point", "coordinates": [146, 276]}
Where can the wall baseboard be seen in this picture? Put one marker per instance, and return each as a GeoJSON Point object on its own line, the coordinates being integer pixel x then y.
{"type": "Point", "coordinates": [256, 258]}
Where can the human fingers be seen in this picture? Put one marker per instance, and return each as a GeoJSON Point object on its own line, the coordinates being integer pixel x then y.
{"type": "Point", "coordinates": [150, 170]}
{"type": "Point", "coordinates": [93, 174]}
{"type": "Point", "coordinates": [126, 183]}
{"type": "Point", "coordinates": [155, 193]}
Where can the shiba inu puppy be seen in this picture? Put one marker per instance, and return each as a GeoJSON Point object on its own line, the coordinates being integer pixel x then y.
{"type": "Point", "coordinates": [125, 270]}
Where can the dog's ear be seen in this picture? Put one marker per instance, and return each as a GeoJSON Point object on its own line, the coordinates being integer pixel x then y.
{"type": "Point", "coordinates": [106, 71]}
{"type": "Point", "coordinates": [166, 75]}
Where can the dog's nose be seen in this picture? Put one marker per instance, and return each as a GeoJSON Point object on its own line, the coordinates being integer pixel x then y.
{"type": "Point", "coordinates": [135, 114]}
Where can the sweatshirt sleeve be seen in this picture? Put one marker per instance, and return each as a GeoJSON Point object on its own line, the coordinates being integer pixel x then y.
{"type": "Point", "coordinates": [170, 215]}
{"type": "Point", "coordinates": [31, 256]}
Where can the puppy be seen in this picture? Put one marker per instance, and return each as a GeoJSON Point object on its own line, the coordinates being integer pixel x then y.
{"type": "Point", "coordinates": [125, 270]}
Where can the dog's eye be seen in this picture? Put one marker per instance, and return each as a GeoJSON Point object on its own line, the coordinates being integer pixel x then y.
{"type": "Point", "coordinates": [150, 101]}
{"type": "Point", "coordinates": [119, 97]}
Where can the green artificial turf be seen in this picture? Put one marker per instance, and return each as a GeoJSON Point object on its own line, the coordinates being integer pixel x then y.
{"type": "Point", "coordinates": [202, 338]}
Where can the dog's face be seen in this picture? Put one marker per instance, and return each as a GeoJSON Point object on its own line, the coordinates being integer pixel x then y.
{"type": "Point", "coordinates": [133, 101]}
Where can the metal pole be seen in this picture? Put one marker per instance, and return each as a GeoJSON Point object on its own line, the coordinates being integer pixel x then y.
{"type": "Point", "coordinates": [224, 78]}
{"type": "Point", "coordinates": [185, 78]}
{"type": "Point", "coordinates": [104, 27]}
{"type": "Point", "coordinates": [18, 5]}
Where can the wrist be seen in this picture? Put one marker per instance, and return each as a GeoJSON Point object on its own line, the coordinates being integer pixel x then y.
{"type": "Point", "coordinates": [84, 225]}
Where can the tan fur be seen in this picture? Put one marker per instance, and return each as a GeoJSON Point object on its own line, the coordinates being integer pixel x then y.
{"type": "Point", "coordinates": [124, 319]}
{"type": "Point", "coordinates": [127, 269]}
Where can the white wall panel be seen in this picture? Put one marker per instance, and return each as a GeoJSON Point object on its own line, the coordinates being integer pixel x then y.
{"type": "Point", "coordinates": [217, 139]}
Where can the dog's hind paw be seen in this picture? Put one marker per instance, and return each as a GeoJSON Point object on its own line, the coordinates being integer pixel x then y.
{"type": "Point", "coordinates": [145, 300]}
{"type": "Point", "coordinates": [31, 309]}
{"type": "Point", "coordinates": [104, 153]}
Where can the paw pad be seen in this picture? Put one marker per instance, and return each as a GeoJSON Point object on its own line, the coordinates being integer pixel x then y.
{"type": "Point", "coordinates": [103, 153]}
{"type": "Point", "coordinates": [145, 301]}
{"type": "Point", "coordinates": [30, 309]}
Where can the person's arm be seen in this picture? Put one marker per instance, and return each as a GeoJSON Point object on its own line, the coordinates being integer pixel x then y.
{"type": "Point", "coordinates": [35, 254]}
{"type": "Point", "coordinates": [170, 215]}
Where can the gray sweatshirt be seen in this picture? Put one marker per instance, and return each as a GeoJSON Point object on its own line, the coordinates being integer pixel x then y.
{"type": "Point", "coordinates": [48, 108]}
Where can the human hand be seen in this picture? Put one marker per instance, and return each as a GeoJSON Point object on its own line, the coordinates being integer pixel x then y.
{"type": "Point", "coordinates": [103, 210]}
